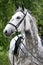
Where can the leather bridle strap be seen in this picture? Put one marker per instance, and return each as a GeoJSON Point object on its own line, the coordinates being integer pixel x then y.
{"type": "Point", "coordinates": [21, 20]}
{"type": "Point", "coordinates": [13, 25]}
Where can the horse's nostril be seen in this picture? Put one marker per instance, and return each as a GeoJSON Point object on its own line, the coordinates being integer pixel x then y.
{"type": "Point", "coordinates": [6, 31]}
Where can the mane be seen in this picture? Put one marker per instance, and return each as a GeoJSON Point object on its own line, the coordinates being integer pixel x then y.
{"type": "Point", "coordinates": [32, 22]}
{"type": "Point", "coordinates": [33, 26]}
{"type": "Point", "coordinates": [34, 31]}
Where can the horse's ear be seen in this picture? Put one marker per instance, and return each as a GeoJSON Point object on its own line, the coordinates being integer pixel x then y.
{"type": "Point", "coordinates": [22, 7]}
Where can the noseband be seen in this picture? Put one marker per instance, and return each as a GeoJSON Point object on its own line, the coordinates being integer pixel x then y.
{"type": "Point", "coordinates": [16, 26]}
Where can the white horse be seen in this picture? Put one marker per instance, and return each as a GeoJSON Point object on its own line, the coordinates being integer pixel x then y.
{"type": "Point", "coordinates": [22, 21]}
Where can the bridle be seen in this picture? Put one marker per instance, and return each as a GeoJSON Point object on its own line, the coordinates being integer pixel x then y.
{"type": "Point", "coordinates": [16, 26]}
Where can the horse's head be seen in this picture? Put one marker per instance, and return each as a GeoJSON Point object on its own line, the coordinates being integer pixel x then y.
{"type": "Point", "coordinates": [18, 21]}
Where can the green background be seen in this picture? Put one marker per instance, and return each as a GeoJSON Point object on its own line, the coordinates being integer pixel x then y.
{"type": "Point", "coordinates": [8, 8]}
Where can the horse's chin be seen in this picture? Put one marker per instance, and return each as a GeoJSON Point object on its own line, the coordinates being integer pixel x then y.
{"type": "Point", "coordinates": [8, 35]}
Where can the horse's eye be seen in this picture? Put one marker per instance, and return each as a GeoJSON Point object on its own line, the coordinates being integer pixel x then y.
{"type": "Point", "coordinates": [18, 17]}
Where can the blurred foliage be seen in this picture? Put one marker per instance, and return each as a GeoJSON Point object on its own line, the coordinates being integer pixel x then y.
{"type": "Point", "coordinates": [4, 60]}
{"type": "Point", "coordinates": [7, 9]}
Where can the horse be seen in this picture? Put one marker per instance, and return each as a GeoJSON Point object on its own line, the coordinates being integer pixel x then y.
{"type": "Point", "coordinates": [23, 21]}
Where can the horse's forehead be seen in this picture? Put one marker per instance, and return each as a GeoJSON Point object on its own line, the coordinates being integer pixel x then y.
{"type": "Point", "coordinates": [17, 14]}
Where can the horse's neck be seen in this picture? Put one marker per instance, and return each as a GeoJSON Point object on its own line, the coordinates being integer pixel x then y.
{"type": "Point", "coordinates": [31, 39]}
{"type": "Point", "coordinates": [35, 34]}
{"type": "Point", "coordinates": [31, 34]}
{"type": "Point", "coordinates": [28, 39]}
